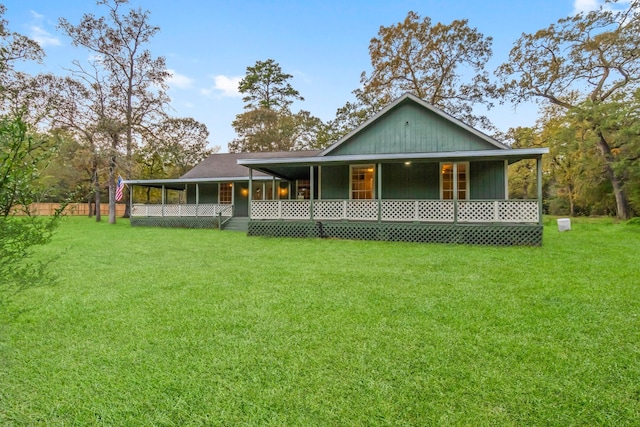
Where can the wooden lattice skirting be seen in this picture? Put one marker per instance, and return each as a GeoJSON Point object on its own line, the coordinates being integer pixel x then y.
{"type": "Point", "coordinates": [178, 222]}
{"type": "Point", "coordinates": [473, 234]}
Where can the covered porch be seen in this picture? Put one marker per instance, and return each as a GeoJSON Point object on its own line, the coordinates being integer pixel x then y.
{"type": "Point", "coordinates": [446, 197]}
{"type": "Point", "coordinates": [189, 203]}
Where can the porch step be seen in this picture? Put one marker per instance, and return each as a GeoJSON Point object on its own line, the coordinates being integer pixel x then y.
{"type": "Point", "coordinates": [237, 223]}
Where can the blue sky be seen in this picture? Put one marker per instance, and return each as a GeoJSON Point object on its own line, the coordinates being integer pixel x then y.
{"type": "Point", "coordinates": [208, 45]}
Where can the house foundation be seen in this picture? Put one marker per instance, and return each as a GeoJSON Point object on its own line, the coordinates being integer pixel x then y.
{"type": "Point", "coordinates": [471, 234]}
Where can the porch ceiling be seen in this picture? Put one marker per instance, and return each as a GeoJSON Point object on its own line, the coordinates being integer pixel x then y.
{"type": "Point", "coordinates": [296, 168]}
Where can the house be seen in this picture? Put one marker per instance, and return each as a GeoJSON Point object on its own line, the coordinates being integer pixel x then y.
{"type": "Point", "coordinates": [214, 191]}
{"type": "Point", "coordinates": [410, 173]}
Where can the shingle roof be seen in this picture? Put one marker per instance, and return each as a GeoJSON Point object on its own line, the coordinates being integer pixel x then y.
{"type": "Point", "coordinates": [226, 164]}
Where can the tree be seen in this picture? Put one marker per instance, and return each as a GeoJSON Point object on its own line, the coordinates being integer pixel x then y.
{"type": "Point", "coordinates": [32, 98]}
{"type": "Point", "coordinates": [134, 78]}
{"type": "Point", "coordinates": [580, 64]}
{"type": "Point", "coordinates": [65, 176]}
{"type": "Point", "coordinates": [440, 63]}
{"type": "Point", "coordinates": [267, 124]}
{"type": "Point", "coordinates": [348, 117]}
{"type": "Point", "coordinates": [174, 146]}
{"type": "Point", "coordinates": [21, 157]}
{"type": "Point", "coordinates": [14, 47]}
{"type": "Point", "coordinates": [262, 129]}
{"type": "Point", "coordinates": [522, 178]}
{"type": "Point", "coordinates": [85, 110]}
{"type": "Point", "coordinates": [265, 85]}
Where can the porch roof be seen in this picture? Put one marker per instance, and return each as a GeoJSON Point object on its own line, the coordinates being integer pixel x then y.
{"type": "Point", "coordinates": [179, 183]}
{"type": "Point", "coordinates": [292, 167]}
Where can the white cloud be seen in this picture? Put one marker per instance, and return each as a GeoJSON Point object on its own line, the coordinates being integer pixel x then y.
{"type": "Point", "coordinates": [179, 81]}
{"type": "Point", "coordinates": [585, 5]}
{"type": "Point", "coordinates": [590, 5]}
{"type": "Point", "coordinates": [39, 34]}
{"type": "Point", "coordinates": [224, 86]}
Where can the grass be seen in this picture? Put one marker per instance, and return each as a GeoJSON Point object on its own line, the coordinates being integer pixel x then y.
{"type": "Point", "coordinates": [174, 327]}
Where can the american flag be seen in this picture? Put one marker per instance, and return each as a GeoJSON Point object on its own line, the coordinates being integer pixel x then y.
{"type": "Point", "coordinates": [119, 188]}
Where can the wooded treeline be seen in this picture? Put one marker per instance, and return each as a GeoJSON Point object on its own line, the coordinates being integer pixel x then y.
{"type": "Point", "coordinates": [108, 116]}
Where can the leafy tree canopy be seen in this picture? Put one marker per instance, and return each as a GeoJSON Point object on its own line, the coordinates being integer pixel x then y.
{"type": "Point", "coordinates": [265, 85]}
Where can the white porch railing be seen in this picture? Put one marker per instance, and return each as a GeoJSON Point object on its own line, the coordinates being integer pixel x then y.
{"type": "Point", "coordinates": [180, 210]}
{"type": "Point", "coordinates": [468, 211]}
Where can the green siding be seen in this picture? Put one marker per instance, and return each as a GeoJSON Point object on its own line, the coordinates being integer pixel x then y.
{"type": "Point", "coordinates": [487, 180]}
{"type": "Point", "coordinates": [208, 193]}
{"type": "Point", "coordinates": [191, 193]}
{"type": "Point", "coordinates": [411, 128]}
{"type": "Point", "coordinates": [414, 181]}
{"type": "Point", "coordinates": [335, 182]}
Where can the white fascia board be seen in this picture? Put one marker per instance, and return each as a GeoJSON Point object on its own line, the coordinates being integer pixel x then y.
{"type": "Point", "coordinates": [360, 158]}
{"type": "Point", "coordinates": [193, 180]}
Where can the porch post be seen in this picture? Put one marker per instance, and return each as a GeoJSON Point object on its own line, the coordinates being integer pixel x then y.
{"type": "Point", "coordinates": [379, 191]}
{"type": "Point", "coordinates": [197, 197]}
{"type": "Point", "coordinates": [163, 197]}
{"type": "Point", "coordinates": [273, 188]}
{"type": "Point", "coordinates": [506, 180]}
{"type": "Point", "coordinates": [250, 193]}
{"type": "Point", "coordinates": [455, 192]}
{"type": "Point", "coordinates": [539, 187]}
{"type": "Point", "coordinates": [311, 192]}
{"type": "Point", "coordinates": [131, 199]}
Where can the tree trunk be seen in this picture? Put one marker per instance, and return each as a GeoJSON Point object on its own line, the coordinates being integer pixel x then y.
{"type": "Point", "coordinates": [572, 205]}
{"type": "Point", "coordinates": [112, 179]}
{"type": "Point", "coordinates": [97, 205]}
{"type": "Point", "coordinates": [622, 204]}
{"type": "Point", "coordinates": [98, 195]}
{"type": "Point", "coordinates": [127, 207]}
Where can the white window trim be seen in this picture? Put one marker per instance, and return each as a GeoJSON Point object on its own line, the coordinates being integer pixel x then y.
{"type": "Point", "coordinates": [366, 165]}
{"type": "Point", "coordinates": [466, 189]}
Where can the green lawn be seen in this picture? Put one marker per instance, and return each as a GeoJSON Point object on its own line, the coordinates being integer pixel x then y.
{"type": "Point", "coordinates": [176, 327]}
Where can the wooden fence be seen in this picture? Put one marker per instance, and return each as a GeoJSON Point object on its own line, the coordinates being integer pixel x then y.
{"type": "Point", "coordinates": [78, 209]}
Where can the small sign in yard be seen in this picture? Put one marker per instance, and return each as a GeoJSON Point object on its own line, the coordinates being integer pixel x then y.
{"type": "Point", "coordinates": [564, 224]}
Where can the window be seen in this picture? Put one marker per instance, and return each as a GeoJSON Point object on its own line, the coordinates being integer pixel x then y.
{"type": "Point", "coordinates": [225, 193]}
{"type": "Point", "coordinates": [362, 181]}
{"type": "Point", "coordinates": [303, 189]}
{"type": "Point", "coordinates": [446, 181]}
